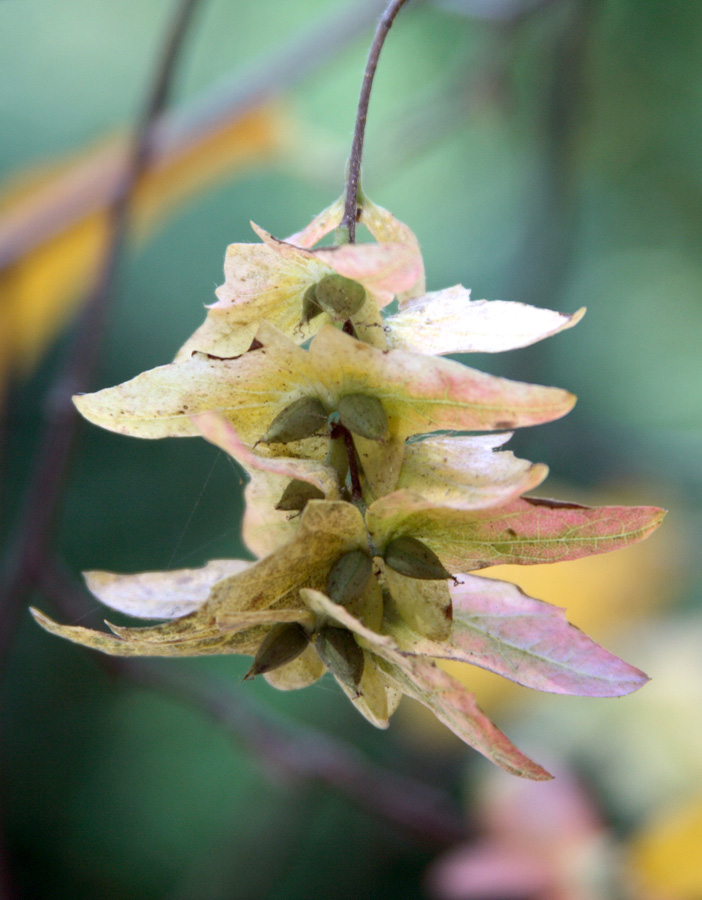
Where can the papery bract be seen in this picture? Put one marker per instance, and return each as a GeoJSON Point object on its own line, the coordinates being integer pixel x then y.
{"type": "Point", "coordinates": [527, 531]}
{"type": "Point", "coordinates": [500, 628]}
{"type": "Point", "coordinates": [268, 281]}
{"type": "Point", "coordinates": [449, 321]}
{"type": "Point", "coordinates": [356, 493]}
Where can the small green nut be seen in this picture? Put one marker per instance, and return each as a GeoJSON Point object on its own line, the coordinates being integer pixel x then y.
{"type": "Point", "coordinates": [412, 558]}
{"type": "Point", "coordinates": [338, 650]}
{"type": "Point", "coordinates": [297, 494]}
{"type": "Point", "coordinates": [310, 308]}
{"type": "Point", "coordinates": [303, 418]}
{"type": "Point", "coordinates": [364, 415]}
{"type": "Point", "coordinates": [349, 576]}
{"type": "Point", "coordinates": [338, 296]}
{"type": "Point", "coordinates": [283, 643]}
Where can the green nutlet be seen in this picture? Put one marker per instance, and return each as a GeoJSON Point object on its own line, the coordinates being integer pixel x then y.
{"type": "Point", "coordinates": [412, 558]}
{"type": "Point", "coordinates": [283, 643]}
{"type": "Point", "coordinates": [302, 419]}
{"type": "Point", "coordinates": [364, 415]}
{"type": "Point", "coordinates": [297, 494]}
{"type": "Point", "coordinates": [310, 308]}
{"type": "Point", "coordinates": [349, 576]}
{"type": "Point", "coordinates": [338, 296]}
{"type": "Point", "coordinates": [338, 650]}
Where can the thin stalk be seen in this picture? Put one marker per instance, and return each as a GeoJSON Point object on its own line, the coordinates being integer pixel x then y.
{"type": "Point", "coordinates": [353, 179]}
{"type": "Point", "coordinates": [341, 433]}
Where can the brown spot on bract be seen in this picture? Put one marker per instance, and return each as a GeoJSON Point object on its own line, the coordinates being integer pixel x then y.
{"type": "Point", "coordinates": [505, 423]}
{"type": "Point", "coordinates": [511, 532]}
{"type": "Point", "coordinates": [552, 504]}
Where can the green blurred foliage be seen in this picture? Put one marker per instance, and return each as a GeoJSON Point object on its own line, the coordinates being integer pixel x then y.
{"type": "Point", "coordinates": [554, 161]}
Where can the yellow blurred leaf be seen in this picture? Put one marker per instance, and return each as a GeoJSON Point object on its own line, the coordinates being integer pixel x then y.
{"type": "Point", "coordinates": [53, 226]}
{"type": "Point", "coordinates": [664, 860]}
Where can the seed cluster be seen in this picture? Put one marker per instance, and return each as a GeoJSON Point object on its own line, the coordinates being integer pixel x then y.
{"type": "Point", "coordinates": [359, 533]}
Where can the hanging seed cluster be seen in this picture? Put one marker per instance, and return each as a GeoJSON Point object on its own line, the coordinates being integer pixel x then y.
{"type": "Point", "coordinates": [368, 506]}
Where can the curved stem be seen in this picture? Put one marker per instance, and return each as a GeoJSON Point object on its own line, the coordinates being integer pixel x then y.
{"type": "Point", "coordinates": [353, 178]}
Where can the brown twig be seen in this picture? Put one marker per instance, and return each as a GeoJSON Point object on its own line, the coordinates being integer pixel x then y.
{"type": "Point", "coordinates": [37, 517]}
{"type": "Point", "coordinates": [353, 179]}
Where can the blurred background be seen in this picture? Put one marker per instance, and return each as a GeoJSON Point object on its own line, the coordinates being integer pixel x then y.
{"type": "Point", "coordinates": [544, 152]}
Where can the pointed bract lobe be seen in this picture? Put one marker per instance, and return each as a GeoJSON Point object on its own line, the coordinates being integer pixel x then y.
{"type": "Point", "coordinates": [466, 472]}
{"type": "Point", "coordinates": [248, 391]}
{"type": "Point", "coordinates": [211, 643]}
{"type": "Point", "coordinates": [386, 228]}
{"type": "Point", "coordinates": [524, 532]}
{"type": "Point", "coordinates": [418, 394]}
{"type": "Point", "coordinates": [161, 595]}
{"type": "Point", "coordinates": [456, 707]}
{"type": "Point", "coordinates": [322, 224]}
{"type": "Point", "coordinates": [450, 702]}
{"type": "Point", "coordinates": [498, 627]}
{"type": "Point", "coordinates": [448, 321]}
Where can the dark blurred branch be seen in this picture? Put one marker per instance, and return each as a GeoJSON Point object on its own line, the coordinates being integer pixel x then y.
{"type": "Point", "coordinates": [501, 11]}
{"type": "Point", "coordinates": [288, 750]}
{"type": "Point", "coordinates": [545, 255]}
{"type": "Point", "coordinates": [27, 559]}
{"type": "Point", "coordinates": [308, 755]}
{"type": "Point", "coordinates": [34, 531]}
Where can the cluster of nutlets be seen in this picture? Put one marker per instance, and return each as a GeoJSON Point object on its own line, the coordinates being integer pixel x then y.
{"type": "Point", "coordinates": [376, 487]}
